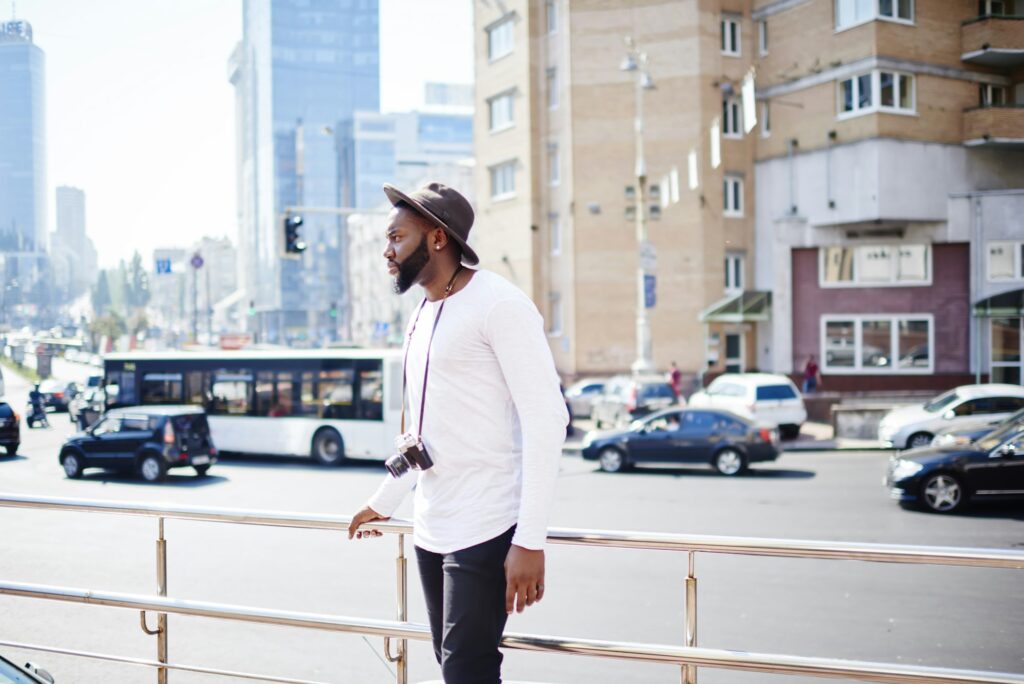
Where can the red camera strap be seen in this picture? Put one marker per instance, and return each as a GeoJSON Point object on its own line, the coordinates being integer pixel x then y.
{"type": "Point", "coordinates": [430, 343]}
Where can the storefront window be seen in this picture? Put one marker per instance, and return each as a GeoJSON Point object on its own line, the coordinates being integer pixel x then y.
{"type": "Point", "coordinates": [913, 344]}
{"type": "Point", "coordinates": [839, 344]}
{"type": "Point", "coordinates": [1006, 340]}
{"type": "Point", "coordinates": [876, 344]}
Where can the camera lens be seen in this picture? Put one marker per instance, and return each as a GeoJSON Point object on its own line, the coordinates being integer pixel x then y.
{"type": "Point", "coordinates": [397, 465]}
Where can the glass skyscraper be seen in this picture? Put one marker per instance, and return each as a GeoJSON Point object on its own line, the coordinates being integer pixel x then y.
{"type": "Point", "coordinates": [22, 164]}
{"type": "Point", "coordinates": [302, 67]}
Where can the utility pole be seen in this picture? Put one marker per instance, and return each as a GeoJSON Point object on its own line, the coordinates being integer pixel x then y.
{"type": "Point", "coordinates": [196, 263]}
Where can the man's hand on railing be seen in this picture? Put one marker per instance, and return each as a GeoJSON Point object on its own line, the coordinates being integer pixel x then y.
{"type": "Point", "coordinates": [524, 577]}
{"type": "Point", "coordinates": [365, 515]}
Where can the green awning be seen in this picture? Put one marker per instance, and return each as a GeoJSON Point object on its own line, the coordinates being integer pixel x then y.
{"type": "Point", "coordinates": [744, 307]}
{"type": "Point", "coordinates": [1005, 304]}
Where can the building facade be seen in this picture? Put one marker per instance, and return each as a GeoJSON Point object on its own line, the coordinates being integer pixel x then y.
{"type": "Point", "coordinates": [299, 73]}
{"type": "Point", "coordinates": [72, 253]}
{"type": "Point", "coordinates": [23, 220]}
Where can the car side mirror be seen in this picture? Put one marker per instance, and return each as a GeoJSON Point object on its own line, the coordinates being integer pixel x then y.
{"type": "Point", "coordinates": [949, 415]}
{"type": "Point", "coordinates": [1006, 451]}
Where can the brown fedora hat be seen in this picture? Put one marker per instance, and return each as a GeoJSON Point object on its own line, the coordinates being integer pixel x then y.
{"type": "Point", "coordinates": [443, 206]}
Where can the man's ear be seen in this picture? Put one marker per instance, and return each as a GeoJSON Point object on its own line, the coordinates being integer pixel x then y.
{"type": "Point", "coordinates": [439, 239]}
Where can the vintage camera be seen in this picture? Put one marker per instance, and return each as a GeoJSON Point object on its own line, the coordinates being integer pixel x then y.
{"type": "Point", "coordinates": [411, 454]}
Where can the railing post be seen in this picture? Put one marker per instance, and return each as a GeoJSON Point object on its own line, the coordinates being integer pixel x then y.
{"type": "Point", "coordinates": [402, 665]}
{"type": "Point", "coordinates": [161, 624]}
{"type": "Point", "coordinates": [690, 671]}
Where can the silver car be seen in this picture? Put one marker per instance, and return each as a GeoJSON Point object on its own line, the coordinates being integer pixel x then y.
{"type": "Point", "coordinates": [582, 393]}
{"type": "Point", "coordinates": [627, 398]}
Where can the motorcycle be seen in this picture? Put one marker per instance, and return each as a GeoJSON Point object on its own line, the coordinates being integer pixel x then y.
{"type": "Point", "coordinates": [35, 416]}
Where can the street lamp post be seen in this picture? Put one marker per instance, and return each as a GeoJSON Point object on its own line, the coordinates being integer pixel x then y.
{"type": "Point", "coordinates": [636, 61]}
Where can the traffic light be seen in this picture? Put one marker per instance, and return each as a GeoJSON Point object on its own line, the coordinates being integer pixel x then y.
{"type": "Point", "coordinates": [333, 311]}
{"type": "Point", "coordinates": [293, 242]}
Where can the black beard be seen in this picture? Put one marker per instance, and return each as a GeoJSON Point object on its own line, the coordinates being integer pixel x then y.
{"type": "Point", "coordinates": [409, 269]}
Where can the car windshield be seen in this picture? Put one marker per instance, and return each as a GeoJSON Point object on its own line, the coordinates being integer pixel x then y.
{"type": "Point", "coordinates": [942, 401]}
{"type": "Point", "coordinates": [9, 674]}
{"type": "Point", "coordinates": [769, 392]}
{"type": "Point", "coordinates": [1005, 431]}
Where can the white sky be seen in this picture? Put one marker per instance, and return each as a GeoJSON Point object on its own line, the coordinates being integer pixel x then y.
{"type": "Point", "coordinates": [140, 114]}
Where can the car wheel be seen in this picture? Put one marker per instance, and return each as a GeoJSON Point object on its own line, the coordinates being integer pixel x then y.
{"type": "Point", "coordinates": [12, 449]}
{"type": "Point", "coordinates": [612, 460]}
{"type": "Point", "coordinates": [328, 448]}
{"type": "Point", "coordinates": [918, 440]}
{"type": "Point", "coordinates": [201, 470]}
{"type": "Point", "coordinates": [72, 464]}
{"type": "Point", "coordinates": [943, 493]}
{"type": "Point", "coordinates": [729, 462]}
{"type": "Point", "coordinates": [152, 468]}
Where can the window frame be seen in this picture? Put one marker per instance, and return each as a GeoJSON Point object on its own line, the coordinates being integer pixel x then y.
{"type": "Point", "coordinates": [762, 37]}
{"type": "Point", "coordinates": [727, 211]}
{"type": "Point", "coordinates": [732, 113]}
{"type": "Point", "coordinates": [735, 263]}
{"type": "Point", "coordinates": [876, 106]}
{"type": "Point", "coordinates": [555, 234]}
{"type": "Point", "coordinates": [506, 20]}
{"type": "Point", "coordinates": [1018, 260]}
{"type": "Point", "coordinates": [858, 343]}
{"type": "Point", "coordinates": [857, 283]}
{"type": "Point", "coordinates": [766, 124]}
{"type": "Point", "coordinates": [551, 76]}
{"type": "Point", "coordinates": [553, 326]}
{"type": "Point", "coordinates": [551, 16]}
{"type": "Point", "coordinates": [554, 165]}
{"type": "Point", "coordinates": [736, 49]}
{"type": "Point", "coordinates": [875, 14]}
{"type": "Point", "coordinates": [493, 169]}
{"type": "Point", "coordinates": [504, 95]}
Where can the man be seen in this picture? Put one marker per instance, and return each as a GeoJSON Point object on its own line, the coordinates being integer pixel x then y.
{"type": "Point", "coordinates": [483, 397]}
{"type": "Point", "coordinates": [675, 379]}
{"type": "Point", "coordinates": [812, 375]}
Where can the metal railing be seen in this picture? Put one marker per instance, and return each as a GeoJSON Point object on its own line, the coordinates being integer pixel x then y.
{"type": "Point", "coordinates": [688, 657]}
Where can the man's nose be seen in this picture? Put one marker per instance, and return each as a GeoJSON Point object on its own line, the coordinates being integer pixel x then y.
{"type": "Point", "coordinates": [389, 251]}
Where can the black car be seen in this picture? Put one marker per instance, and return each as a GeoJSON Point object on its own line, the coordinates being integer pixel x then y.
{"type": "Point", "coordinates": [945, 479]}
{"type": "Point", "coordinates": [148, 440]}
{"type": "Point", "coordinates": [10, 428]}
{"type": "Point", "coordinates": [974, 431]}
{"type": "Point", "coordinates": [727, 442]}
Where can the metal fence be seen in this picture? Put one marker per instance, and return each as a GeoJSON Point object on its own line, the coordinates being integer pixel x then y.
{"type": "Point", "coordinates": [688, 657]}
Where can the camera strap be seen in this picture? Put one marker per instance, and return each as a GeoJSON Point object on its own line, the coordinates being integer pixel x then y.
{"type": "Point", "coordinates": [430, 343]}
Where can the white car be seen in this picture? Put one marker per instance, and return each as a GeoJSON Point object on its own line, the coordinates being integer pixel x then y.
{"type": "Point", "coordinates": [581, 395]}
{"type": "Point", "coordinates": [769, 399]}
{"type": "Point", "coordinates": [914, 426]}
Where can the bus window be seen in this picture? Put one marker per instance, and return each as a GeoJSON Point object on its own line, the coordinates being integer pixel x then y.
{"type": "Point", "coordinates": [120, 388]}
{"type": "Point", "coordinates": [284, 399]}
{"type": "Point", "coordinates": [195, 388]}
{"type": "Point", "coordinates": [264, 396]}
{"type": "Point", "coordinates": [161, 388]}
{"type": "Point", "coordinates": [371, 392]}
{"type": "Point", "coordinates": [231, 393]}
{"type": "Point", "coordinates": [307, 405]}
{"type": "Point", "coordinates": [336, 393]}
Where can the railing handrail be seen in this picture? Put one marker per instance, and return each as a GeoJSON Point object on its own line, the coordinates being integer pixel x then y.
{"type": "Point", "coordinates": [748, 546]}
{"type": "Point", "coordinates": [654, 653]}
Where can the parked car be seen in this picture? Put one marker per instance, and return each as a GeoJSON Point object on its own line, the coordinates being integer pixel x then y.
{"type": "Point", "coordinates": [767, 398]}
{"type": "Point", "coordinates": [582, 393]}
{"type": "Point", "coordinates": [945, 479]}
{"type": "Point", "coordinates": [915, 426]}
{"type": "Point", "coordinates": [727, 442]}
{"type": "Point", "coordinates": [146, 439]}
{"type": "Point", "coordinates": [30, 673]}
{"type": "Point", "coordinates": [627, 398]}
{"type": "Point", "coordinates": [976, 429]}
{"type": "Point", "coordinates": [55, 394]}
{"type": "Point", "coordinates": [10, 428]}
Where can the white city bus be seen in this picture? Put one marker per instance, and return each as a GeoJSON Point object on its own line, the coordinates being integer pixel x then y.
{"type": "Point", "coordinates": [327, 404]}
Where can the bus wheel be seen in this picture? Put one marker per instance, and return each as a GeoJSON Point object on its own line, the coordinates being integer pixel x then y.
{"type": "Point", "coordinates": [328, 447]}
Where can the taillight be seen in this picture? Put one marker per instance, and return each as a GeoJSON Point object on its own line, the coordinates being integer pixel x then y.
{"type": "Point", "coordinates": [17, 418]}
{"type": "Point", "coordinates": [168, 434]}
{"type": "Point", "coordinates": [58, 395]}
{"type": "Point", "coordinates": [631, 402]}
{"type": "Point", "coordinates": [766, 435]}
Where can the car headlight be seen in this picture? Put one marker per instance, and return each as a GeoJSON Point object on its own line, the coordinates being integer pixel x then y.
{"type": "Point", "coordinates": [904, 469]}
{"type": "Point", "coordinates": [588, 439]}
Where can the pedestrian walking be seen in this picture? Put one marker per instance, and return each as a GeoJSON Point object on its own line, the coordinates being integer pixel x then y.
{"type": "Point", "coordinates": [485, 432]}
{"type": "Point", "coordinates": [675, 379]}
{"type": "Point", "coordinates": [812, 375]}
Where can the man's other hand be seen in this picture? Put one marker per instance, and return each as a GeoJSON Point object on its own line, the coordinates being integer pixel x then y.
{"type": "Point", "coordinates": [365, 515]}
{"type": "Point", "coordinates": [524, 576]}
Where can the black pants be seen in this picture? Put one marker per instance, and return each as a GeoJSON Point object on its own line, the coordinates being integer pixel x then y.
{"type": "Point", "coordinates": [465, 595]}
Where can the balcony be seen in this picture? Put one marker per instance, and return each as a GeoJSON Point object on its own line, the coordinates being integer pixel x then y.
{"type": "Point", "coordinates": [993, 41]}
{"type": "Point", "coordinates": [994, 126]}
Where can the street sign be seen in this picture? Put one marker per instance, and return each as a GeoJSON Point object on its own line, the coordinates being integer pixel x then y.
{"type": "Point", "coordinates": [648, 257]}
{"type": "Point", "coordinates": [650, 296]}
{"type": "Point", "coordinates": [197, 261]}
{"type": "Point", "coordinates": [163, 266]}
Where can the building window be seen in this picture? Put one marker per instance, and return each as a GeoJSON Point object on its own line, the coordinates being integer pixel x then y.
{"type": "Point", "coordinates": [877, 343]}
{"type": "Point", "coordinates": [853, 12]}
{"type": "Point", "coordinates": [731, 36]}
{"type": "Point", "coordinates": [552, 15]}
{"type": "Point", "coordinates": [733, 273]}
{"type": "Point", "coordinates": [991, 95]}
{"type": "Point", "coordinates": [762, 37]}
{"type": "Point", "coordinates": [500, 38]}
{"type": "Point", "coordinates": [503, 180]}
{"type": "Point", "coordinates": [732, 118]}
{"type": "Point", "coordinates": [556, 234]}
{"type": "Point", "coordinates": [875, 266]}
{"type": "Point", "coordinates": [502, 114]}
{"type": "Point", "coordinates": [554, 314]}
{"type": "Point", "coordinates": [1006, 260]}
{"type": "Point", "coordinates": [766, 127]}
{"type": "Point", "coordinates": [553, 175]}
{"type": "Point", "coordinates": [995, 8]}
{"type": "Point", "coordinates": [887, 91]}
{"type": "Point", "coordinates": [552, 88]}
{"type": "Point", "coordinates": [732, 187]}
{"type": "Point", "coordinates": [1006, 350]}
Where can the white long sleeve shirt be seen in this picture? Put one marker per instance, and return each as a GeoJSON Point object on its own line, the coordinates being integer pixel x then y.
{"type": "Point", "coordinates": [494, 421]}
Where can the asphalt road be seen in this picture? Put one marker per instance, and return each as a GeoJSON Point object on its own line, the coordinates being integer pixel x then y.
{"type": "Point", "coordinates": [953, 617]}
